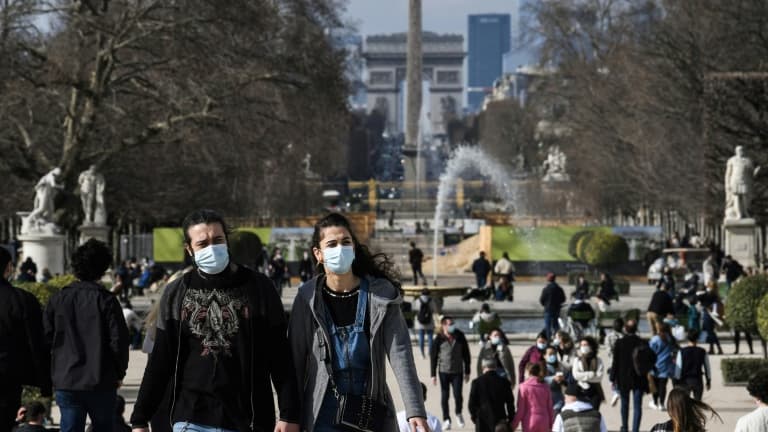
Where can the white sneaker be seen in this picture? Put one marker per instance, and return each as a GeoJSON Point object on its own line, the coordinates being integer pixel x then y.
{"type": "Point", "coordinates": [652, 405]}
{"type": "Point", "coordinates": [460, 420]}
{"type": "Point", "coordinates": [614, 399]}
{"type": "Point", "coordinates": [447, 425]}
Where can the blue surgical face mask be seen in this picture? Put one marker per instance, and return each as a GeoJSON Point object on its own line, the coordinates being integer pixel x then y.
{"type": "Point", "coordinates": [451, 328]}
{"type": "Point", "coordinates": [212, 259]}
{"type": "Point", "coordinates": [495, 340]}
{"type": "Point", "coordinates": [552, 359]}
{"type": "Point", "coordinates": [541, 346]}
{"type": "Point", "coordinates": [339, 259]}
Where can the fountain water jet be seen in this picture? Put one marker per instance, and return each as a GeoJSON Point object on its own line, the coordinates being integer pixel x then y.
{"type": "Point", "coordinates": [462, 159]}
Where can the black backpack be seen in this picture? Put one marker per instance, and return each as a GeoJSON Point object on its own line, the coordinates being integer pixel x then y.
{"type": "Point", "coordinates": [425, 312]}
{"type": "Point", "coordinates": [643, 359]}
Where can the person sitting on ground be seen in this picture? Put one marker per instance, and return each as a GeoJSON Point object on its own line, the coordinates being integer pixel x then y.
{"type": "Point", "coordinates": [432, 421]}
{"type": "Point", "coordinates": [485, 320]}
{"type": "Point", "coordinates": [497, 349]}
{"type": "Point", "coordinates": [555, 378]}
{"type": "Point", "coordinates": [30, 417]}
{"type": "Point", "coordinates": [505, 271]}
{"type": "Point", "coordinates": [581, 312]}
{"type": "Point", "coordinates": [578, 414]}
{"type": "Point", "coordinates": [534, 354]}
{"type": "Point", "coordinates": [757, 420]}
{"type": "Point", "coordinates": [685, 414]}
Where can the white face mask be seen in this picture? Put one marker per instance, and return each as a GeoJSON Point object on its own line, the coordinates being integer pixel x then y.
{"type": "Point", "coordinates": [585, 350]}
{"type": "Point", "coordinates": [495, 340]}
{"type": "Point", "coordinates": [424, 298]}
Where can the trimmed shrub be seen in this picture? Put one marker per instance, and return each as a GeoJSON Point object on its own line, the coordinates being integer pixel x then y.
{"type": "Point", "coordinates": [743, 300]}
{"type": "Point", "coordinates": [574, 242]}
{"type": "Point", "coordinates": [604, 250]}
{"type": "Point", "coordinates": [740, 370]}
{"type": "Point", "coordinates": [44, 291]}
{"type": "Point", "coordinates": [582, 244]}
{"type": "Point", "coordinates": [762, 317]}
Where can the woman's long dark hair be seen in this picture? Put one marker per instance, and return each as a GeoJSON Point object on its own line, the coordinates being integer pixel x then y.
{"type": "Point", "coordinates": [688, 414]}
{"type": "Point", "coordinates": [365, 263]}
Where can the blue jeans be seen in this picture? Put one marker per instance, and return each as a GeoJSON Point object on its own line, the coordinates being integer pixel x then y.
{"type": "Point", "coordinates": [192, 427]}
{"type": "Point", "coordinates": [637, 399]}
{"type": "Point", "coordinates": [550, 323]}
{"type": "Point", "coordinates": [481, 281]}
{"type": "Point", "coordinates": [99, 405]}
{"type": "Point", "coordinates": [446, 381]}
{"type": "Point", "coordinates": [430, 334]}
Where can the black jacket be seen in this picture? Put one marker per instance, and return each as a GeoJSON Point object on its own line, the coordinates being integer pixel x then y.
{"type": "Point", "coordinates": [490, 401]}
{"type": "Point", "coordinates": [85, 327]}
{"type": "Point", "coordinates": [481, 267]}
{"type": "Point", "coordinates": [24, 355]}
{"type": "Point", "coordinates": [661, 304]}
{"type": "Point", "coordinates": [552, 298]}
{"type": "Point", "coordinates": [263, 355]}
{"type": "Point", "coordinates": [622, 371]}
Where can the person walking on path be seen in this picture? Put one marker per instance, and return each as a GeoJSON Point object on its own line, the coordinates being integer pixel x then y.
{"type": "Point", "coordinates": [426, 309]}
{"type": "Point", "coordinates": [552, 298]}
{"type": "Point", "coordinates": [686, 414]}
{"type": "Point", "coordinates": [344, 325]}
{"type": "Point", "coordinates": [690, 363]}
{"type": "Point", "coordinates": [588, 371]}
{"type": "Point", "coordinates": [626, 378]}
{"type": "Point", "coordinates": [555, 378]}
{"type": "Point", "coordinates": [577, 414]}
{"type": "Point", "coordinates": [710, 305]}
{"type": "Point", "coordinates": [278, 270]}
{"type": "Point", "coordinates": [665, 347]}
{"type": "Point", "coordinates": [481, 268]}
{"type": "Point", "coordinates": [24, 355]}
{"type": "Point", "coordinates": [85, 327]}
{"type": "Point", "coordinates": [660, 306]}
{"type": "Point", "coordinates": [757, 420]}
{"type": "Point", "coordinates": [450, 357]}
{"type": "Point", "coordinates": [491, 402]}
{"type": "Point", "coordinates": [733, 270]}
{"type": "Point", "coordinates": [415, 258]}
{"type": "Point", "coordinates": [306, 269]}
{"type": "Point", "coordinates": [616, 333]}
{"type": "Point", "coordinates": [496, 348]}
{"type": "Point", "coordinates": [219, 344]}
{"type": "Point", "coordinates": [534, 354]}
{"type": "Point", "coordinates": [534, 402]}
{"type": "Point", "coordinates": [505, 271]}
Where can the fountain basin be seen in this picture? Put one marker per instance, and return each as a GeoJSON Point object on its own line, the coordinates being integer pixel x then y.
{"type": "Point", "coordinates": [435, 290]}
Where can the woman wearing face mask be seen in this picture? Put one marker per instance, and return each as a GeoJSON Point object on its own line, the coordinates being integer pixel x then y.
{"type": "Point", "coordinates": [534, 402]}
{"type": "Point", "coordinates": [497, 348]}
{"type": "Point", "coordinates": [534, 354]}
{"type": "Point", "coordinates": [588, 370]}
{"type": "Point", "coordinates": [344, 323]}
{"type": "Point", "coordinates": [565, 348]}
{"type": "Point", "coordinates": [555, 378]}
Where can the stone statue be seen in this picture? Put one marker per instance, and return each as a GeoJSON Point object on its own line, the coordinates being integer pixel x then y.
{"type": "Point", "coordinates": [739, 173]}
{"type": "Point", "coordinates": [554, 166]}
{"type": "Point", "coordinates": [91, 192]}
{"type": "Point", "coordinates": [40, 219]}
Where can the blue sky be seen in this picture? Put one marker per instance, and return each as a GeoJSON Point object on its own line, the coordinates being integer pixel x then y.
{"type": "Point", "coordinates": [440, 16]}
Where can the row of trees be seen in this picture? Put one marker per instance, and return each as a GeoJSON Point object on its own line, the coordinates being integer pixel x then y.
{"type": "Point", "coordinates": [180, 104]}
{"type": "Point", "coordinates": [656, 94]}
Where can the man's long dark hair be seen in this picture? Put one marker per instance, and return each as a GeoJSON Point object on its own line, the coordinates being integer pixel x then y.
{"type": "Point", "coordinates": [365, 263]}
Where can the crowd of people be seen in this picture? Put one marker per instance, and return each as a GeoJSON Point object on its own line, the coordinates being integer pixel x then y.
{"type": "Point", "coordinates": [207, 368]}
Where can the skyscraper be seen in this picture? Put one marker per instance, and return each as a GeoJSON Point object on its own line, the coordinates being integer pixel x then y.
{"type": "Point", "coordinates": [489, 40]}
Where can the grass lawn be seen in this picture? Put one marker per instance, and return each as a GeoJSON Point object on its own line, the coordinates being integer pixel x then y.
{"type": "Point", "coordinates": [535, 244]}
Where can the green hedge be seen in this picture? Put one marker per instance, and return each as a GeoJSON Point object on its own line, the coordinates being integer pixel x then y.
{"type": "Point", "coordinates": [739, 370]}
{"type": "Point", "coordinates": [44, 291]}
{"type": "Point", "coordinates": [604, 250]}
{"type": "Point", "coordinates": [762, 317]}
{"type": "Point", "coordinates": [743, 300]}
{"type": "Point", "coordinates": [573, 243]}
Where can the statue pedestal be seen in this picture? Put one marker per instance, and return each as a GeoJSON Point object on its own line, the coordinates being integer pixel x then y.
{"type": "Point", "coordinates": [46, 250]}
{"type": "Point", "coordinates": [741, 240]}
{"type": "Point", "coordinates": [98, 232]}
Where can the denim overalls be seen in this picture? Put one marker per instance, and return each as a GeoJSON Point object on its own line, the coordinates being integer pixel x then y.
{"type": "Point", "coordinates": [351, 361]}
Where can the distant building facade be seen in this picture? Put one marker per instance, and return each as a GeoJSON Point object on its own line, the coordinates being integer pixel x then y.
{"type": "Point", "coordinates": [489, 39]}
{"type": "Point", "coordinates": [442, 64]}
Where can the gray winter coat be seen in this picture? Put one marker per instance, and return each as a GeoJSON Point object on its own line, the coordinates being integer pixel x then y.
{"type": "Point", "coordinates": [309, 335]}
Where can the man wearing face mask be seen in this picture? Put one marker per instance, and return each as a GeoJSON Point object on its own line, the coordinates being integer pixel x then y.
{"type": "Point", "coordinates": [24, 359]}
{"type": "Point", "coordinates": [450, 355]}
{"type": "Point", "coordinates": [213, 326]}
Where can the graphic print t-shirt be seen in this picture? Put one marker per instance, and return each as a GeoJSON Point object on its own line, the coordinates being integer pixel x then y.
{"type": "Point", "coordinates": [213, 313]}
